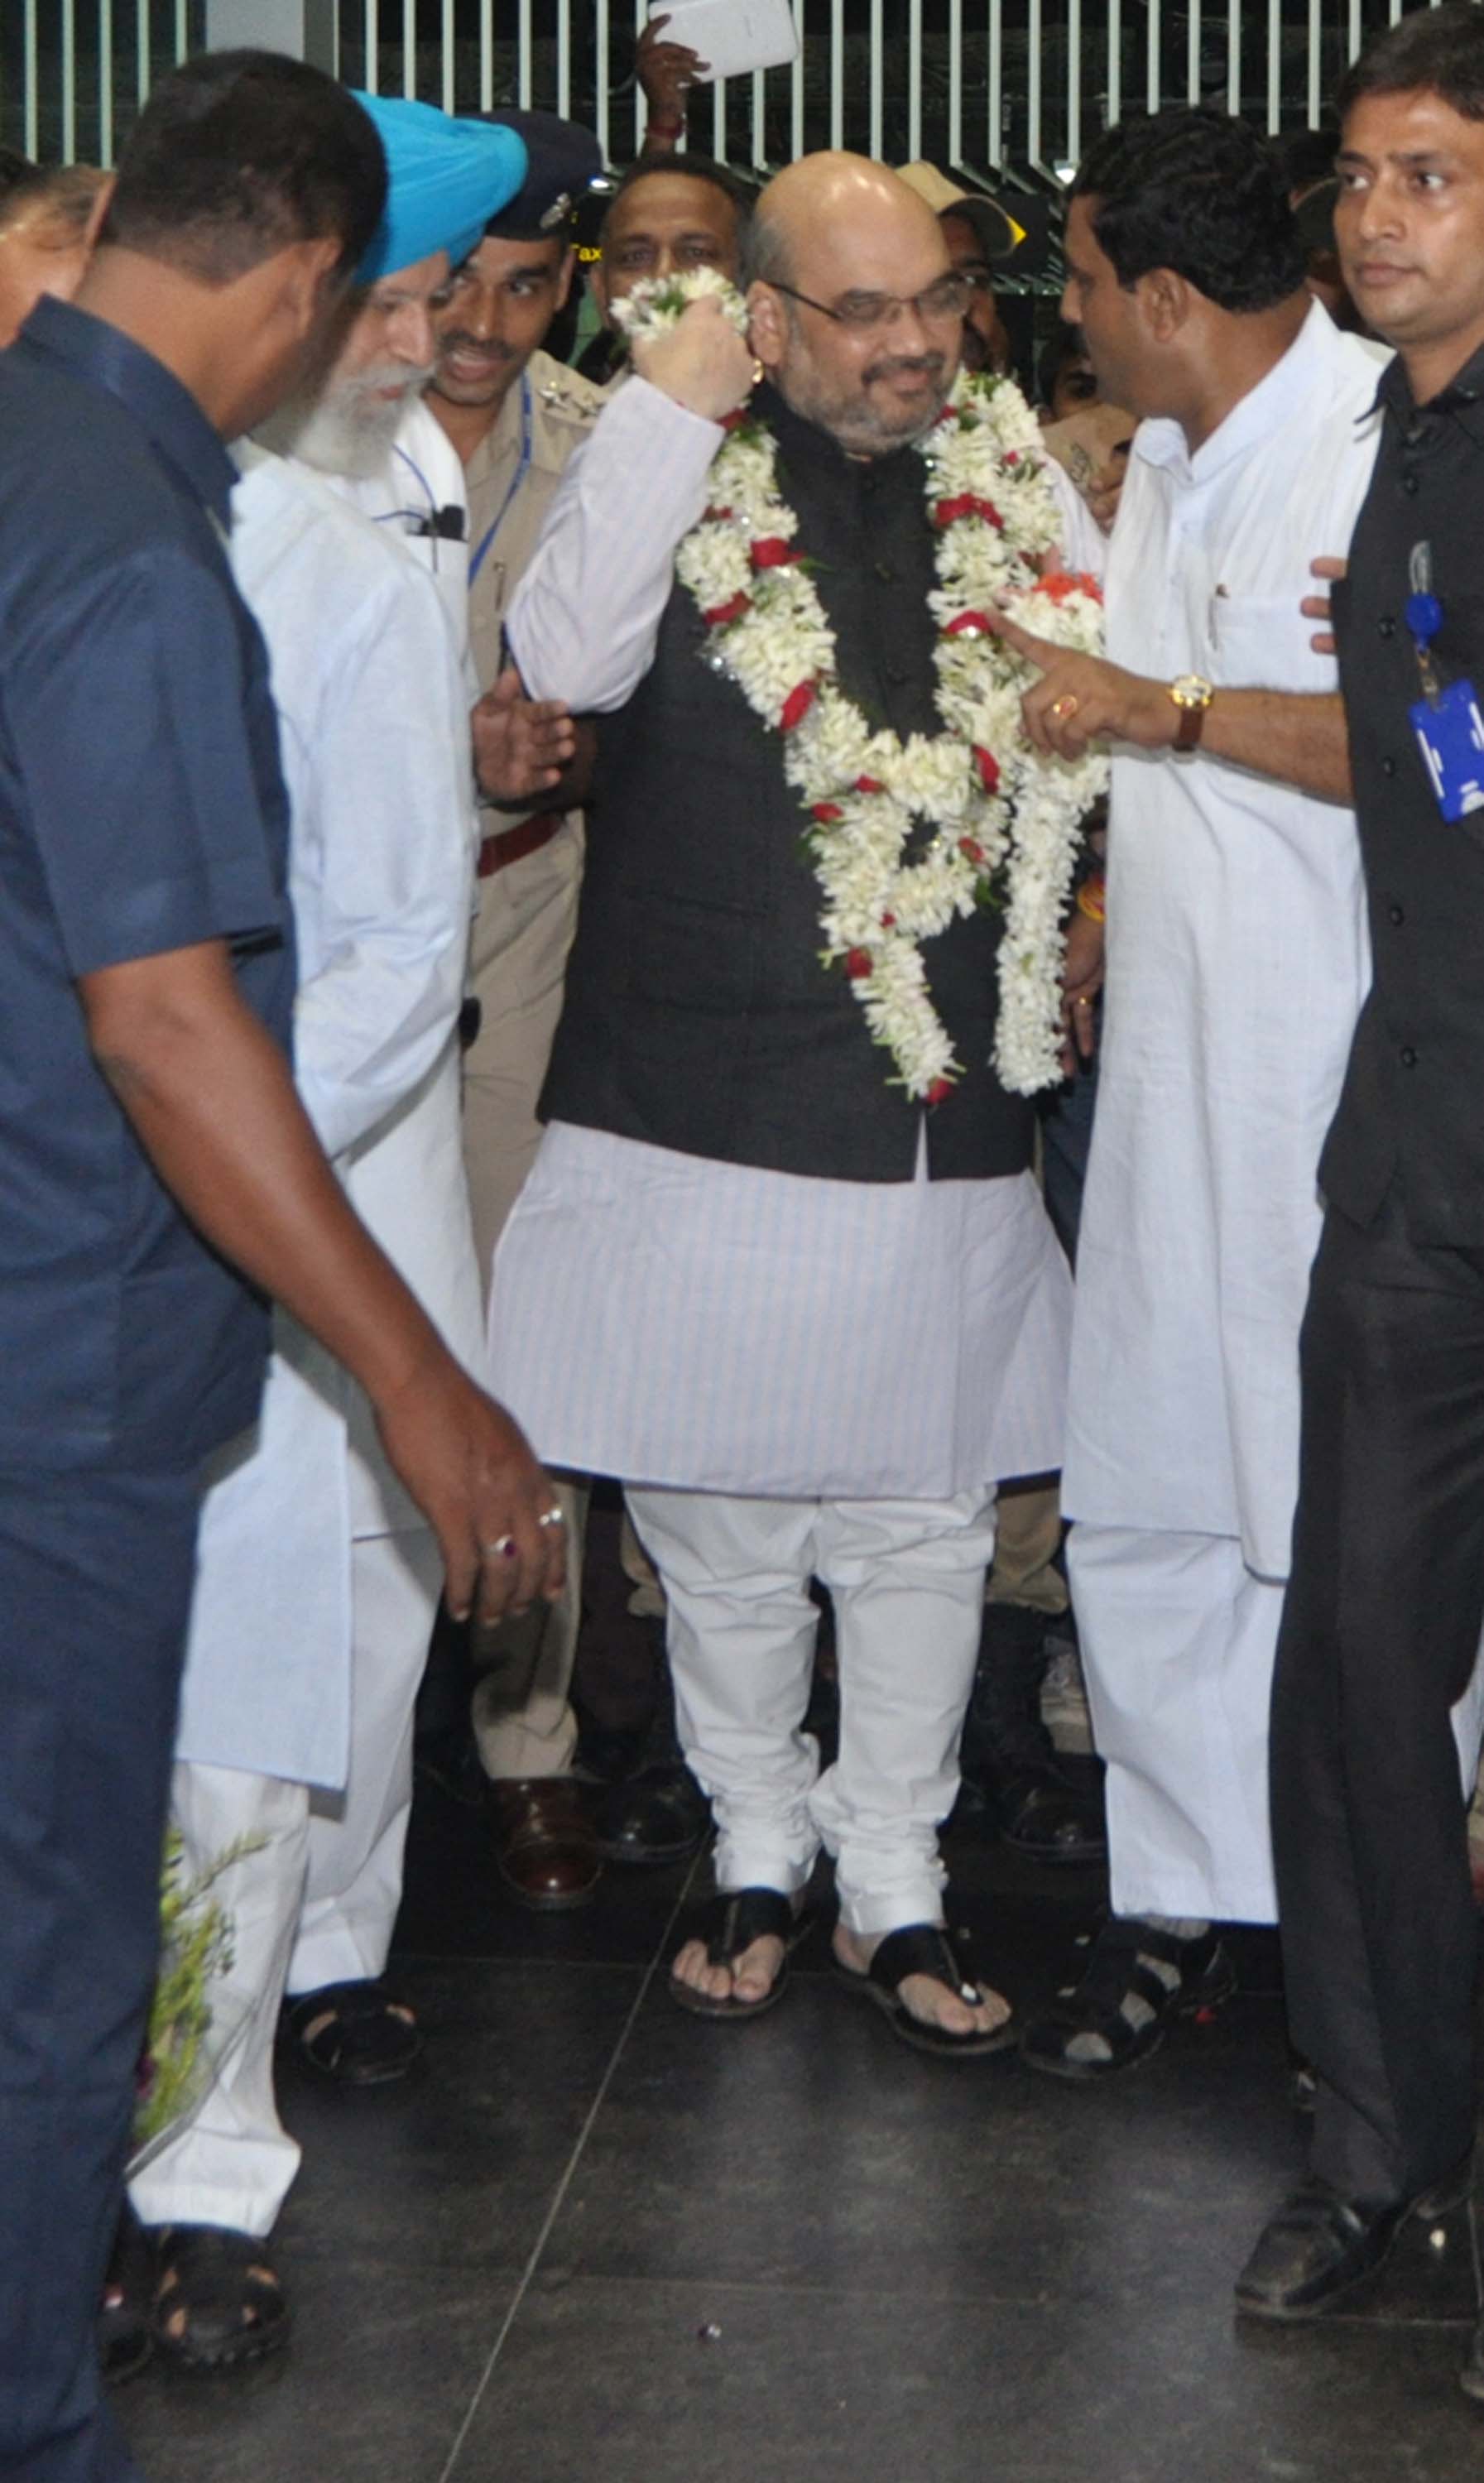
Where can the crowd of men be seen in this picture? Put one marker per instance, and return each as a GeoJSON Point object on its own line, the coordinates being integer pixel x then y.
{"type": "Point", "coordinates": [413, 987]}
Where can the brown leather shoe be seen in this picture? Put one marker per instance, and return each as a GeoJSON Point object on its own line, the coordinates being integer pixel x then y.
{"type": "Point", "coordinates": [544, 1842]}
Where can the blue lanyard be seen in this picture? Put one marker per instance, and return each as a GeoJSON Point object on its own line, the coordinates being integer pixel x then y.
{"type": "Point", "coordinates": [478, 556]}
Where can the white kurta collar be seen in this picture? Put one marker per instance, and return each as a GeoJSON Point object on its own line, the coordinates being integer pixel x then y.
{"type": "Point", "coordinates": [1265, 408]}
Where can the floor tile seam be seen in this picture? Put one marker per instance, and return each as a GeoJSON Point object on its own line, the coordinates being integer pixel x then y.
{"type": "Point", "coordinates": [572, 1965]}
{"type": "Point", "coordinates": [567, 2178]}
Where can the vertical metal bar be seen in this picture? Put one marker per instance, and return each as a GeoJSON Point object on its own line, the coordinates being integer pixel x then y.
{"type": "Point", "coordinates": [915, 82]}
{"type": "Point", "coordinates": [719, 120]}
{"type": "Point", "coordinates": [1274, 65]}
{"type": "Point", "coordinates": [996, 146]}
{"type": "Point", "coordinates": [141, 50]}
{"type": "Point", "coordinates": [759, 121]}
{"type": "Point", "coordinates": [876, 89]}
{"type": "Point", "coordinates": [30, 76]}
{"type": "Point", "coordinates": [1315, 45]}
{"type": "Point", "coordinates": [797, 117]}
{"type": "Point", "coordinates": [836, 72]}
{"type": "Point", "coordinates": [1033, 84]}
{"type": "Point", "coordinates": [602, 37]}
{"type": "Point", "coordinates": [564, 103]}
{"type": "Point", "coordinates": [1193, 53]}
{"type": "Point", "coordinates": [68, 83]}
{"type": "Point", "coordinates": [1354, 44]}
{"type": "Point", "coordinates": [182, 30]}
{"type": "Point", "coordinates": [956, 81]}
{"type": "Point", "coordinates": [105, 82]}
{"type": "Point", "coordinates": [371, 41]}
{"type": "Point", "coordinates": [524, 42]}
{"type": "Point", "coordinates": [1115, 61]}
{"type": "Point", "coordinates": [1234, 55]}
{"type": "Point", "coordinates": [641, 116]}
{"type": "Point", "coordinates": [448, 56]}
{"type": "Point", "coordinates": [1074, 81]}
{"type": "Point", "coordinates": [409, 47]}
{"type": "Point", "coordinates": [1154, 79]}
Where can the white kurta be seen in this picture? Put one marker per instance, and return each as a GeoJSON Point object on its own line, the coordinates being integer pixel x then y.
{"type": "Point", "coordinates": [712, 1326]}
{"type": "Point", "coordinates": [374, 739]}
{"type": "Point", "coordinates": [1238, 960]}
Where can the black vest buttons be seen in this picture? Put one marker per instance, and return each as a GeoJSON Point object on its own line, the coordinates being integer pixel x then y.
{"type": "Point", "coordinates": [1408, 1057]}
{"type": "Point", "coordinates": [886, 572]}
{"type": "Point", "coordinates": [1394, 914]}
{"type": "Point", "coordinates": [1386, 626]}
{"type": "Point", "coordinates": [1411, 486]}
{"type": "Point", "coordinates": [1387, 766]}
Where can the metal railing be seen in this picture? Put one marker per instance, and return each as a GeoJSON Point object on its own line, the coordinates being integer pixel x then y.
{"type": "Point", "coordinates": [986, 84]}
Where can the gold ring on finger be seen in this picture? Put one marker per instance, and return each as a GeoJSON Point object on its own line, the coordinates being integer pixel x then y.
{"type": "Point", "coordinates": [1062, 708]}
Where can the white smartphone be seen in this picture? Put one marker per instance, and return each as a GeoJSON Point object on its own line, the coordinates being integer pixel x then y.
{"type": "Point", "coordinates": [733, 36]}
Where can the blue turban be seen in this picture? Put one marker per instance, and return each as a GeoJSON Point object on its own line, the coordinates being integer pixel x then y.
{"type": "Point", "coordinates": [446, 179]}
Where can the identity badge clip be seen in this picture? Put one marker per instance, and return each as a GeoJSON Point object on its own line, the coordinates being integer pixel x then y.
{"type": "Point", "coordinates": [1449, 726]}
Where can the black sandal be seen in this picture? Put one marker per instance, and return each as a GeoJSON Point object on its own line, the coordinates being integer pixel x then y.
{"type": "Point", "coordinates": [735, 1918]}
{"type": "Point", "coordinates": [1116, 1973]}
{"type": "Point", "coordinates": [369, 2037]}
{"type": "Point", "coordinates": [925, 1948]}
{"type": "Point", "coordinates": [233, 2306]}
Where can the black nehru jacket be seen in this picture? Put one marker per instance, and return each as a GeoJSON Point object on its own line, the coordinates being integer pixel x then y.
{"type": "Point", "coordinates": [1412, 1099]}
{"type": "Point", "coordinates": [699, 1015]}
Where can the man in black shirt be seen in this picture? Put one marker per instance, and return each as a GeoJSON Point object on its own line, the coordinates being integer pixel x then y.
{"type": "Point", "coordinates": [1385, 1601]}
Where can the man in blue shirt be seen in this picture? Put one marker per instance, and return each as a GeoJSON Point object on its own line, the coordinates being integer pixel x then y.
{"type": "Point", "coordinates": [158, 1178]}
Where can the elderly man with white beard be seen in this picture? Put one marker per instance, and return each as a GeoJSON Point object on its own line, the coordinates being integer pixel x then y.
{"type": "Point", "coordinates": [317, 1582]}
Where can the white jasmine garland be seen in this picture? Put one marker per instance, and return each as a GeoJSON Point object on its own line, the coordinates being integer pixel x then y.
{"type": "Point", "coordinates": [1005, 821]}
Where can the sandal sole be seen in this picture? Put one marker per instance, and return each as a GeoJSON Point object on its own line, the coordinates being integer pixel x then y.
{"type": "Point", "coordinates": [225, 2358]}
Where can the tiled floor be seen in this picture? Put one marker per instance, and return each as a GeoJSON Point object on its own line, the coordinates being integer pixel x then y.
{"type": "Point", "coordinates": [596, 2241]}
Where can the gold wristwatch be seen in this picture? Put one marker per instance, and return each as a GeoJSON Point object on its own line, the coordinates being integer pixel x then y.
{"type": "Point", "coordinates": [1192, 696]}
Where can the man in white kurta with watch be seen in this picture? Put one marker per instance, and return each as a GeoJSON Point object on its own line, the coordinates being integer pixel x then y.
{"type": "Point", "coordinates": [1236, 963]}
{"type": "Point", "coordinates": [803, 1295]}
{"type": "Point", "coordinates": [317, 1580]}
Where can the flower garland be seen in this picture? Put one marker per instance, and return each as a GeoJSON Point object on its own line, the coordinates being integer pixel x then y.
{"type": "Point", "coordinates": [1003, 823]}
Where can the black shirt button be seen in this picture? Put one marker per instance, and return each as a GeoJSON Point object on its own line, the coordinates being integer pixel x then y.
{"type": "Point", "coordinates": [1387, 766]}
{"type": "Point", "coordinates": [1394, 914]}
{"type": "Point", "coordinates": [1411, 486]}
{"type": "Point", "coordinates": [1408, 1057]}
{"type": "Point", "coordinates": [1386, 626]}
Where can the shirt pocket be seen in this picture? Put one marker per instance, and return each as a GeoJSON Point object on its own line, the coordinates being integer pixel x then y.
{"type": "Point", "coordinates": [1261, 642]}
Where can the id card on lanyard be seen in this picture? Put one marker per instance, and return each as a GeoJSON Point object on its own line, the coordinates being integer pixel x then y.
{"type": "Point", "coordinates": [1449, 726]}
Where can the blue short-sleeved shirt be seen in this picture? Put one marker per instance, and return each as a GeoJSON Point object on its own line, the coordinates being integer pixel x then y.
{"type": "Point", "coordinates": [142, 809]}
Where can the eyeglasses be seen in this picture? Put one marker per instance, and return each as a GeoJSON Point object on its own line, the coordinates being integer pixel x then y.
{"type": "Point", "coordinates": [945, 299]}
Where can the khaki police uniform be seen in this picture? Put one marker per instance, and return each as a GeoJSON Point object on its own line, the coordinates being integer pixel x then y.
{"type": "Point", "coordinates": [530, 873]}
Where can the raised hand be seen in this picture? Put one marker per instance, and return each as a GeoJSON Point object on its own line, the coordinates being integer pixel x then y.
{"type": "Point", "coordinates": [1081, 699]}
{"type": "Point", "coordinates": [701, 361]}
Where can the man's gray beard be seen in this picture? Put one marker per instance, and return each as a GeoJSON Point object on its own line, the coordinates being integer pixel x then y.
{"type": "Point", "coordinates": [349, 430]}
{"type": "Point", "coordinates": [855, 425]}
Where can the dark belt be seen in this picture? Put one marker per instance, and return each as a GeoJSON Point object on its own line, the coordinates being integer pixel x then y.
{"type": "Point", "coordinates": [513, 844]}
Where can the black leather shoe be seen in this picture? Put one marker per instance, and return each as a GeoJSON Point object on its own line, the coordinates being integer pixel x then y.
{"type": "Point", "coordinates": [1010, 1764]}
{"type": "Point", "coordinates": [1319, 2246]}
{"type": "Point", "coordinates": [660, 1815]}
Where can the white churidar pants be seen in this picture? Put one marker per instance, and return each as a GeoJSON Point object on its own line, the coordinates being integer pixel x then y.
{"type": "Point", "coordinates": [233, 2164]}
{"type": "Point", "coordinates": [907, 1579]}
{"type": "Point", "coordinates": [1178, 1638]}
{"type": "Point", "coordinates": [315, 1902]}
{"type": "Point", "coordinates": [356, 1838]}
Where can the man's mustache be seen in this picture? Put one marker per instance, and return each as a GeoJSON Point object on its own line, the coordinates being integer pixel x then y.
{"type": "Point", "coordinates": [457, 340]}
{"type": "Point", "coordinates": [931, 365]}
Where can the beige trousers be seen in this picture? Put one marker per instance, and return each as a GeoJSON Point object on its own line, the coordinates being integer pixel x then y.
{"type": "Point", "coordinates": [523, 1721]}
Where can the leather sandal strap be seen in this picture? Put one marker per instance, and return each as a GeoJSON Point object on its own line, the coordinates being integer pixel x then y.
{"type": "Point", "coordinates": [738, 1916]}
{"type": "Point", "coordinates": [920, 1948]}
